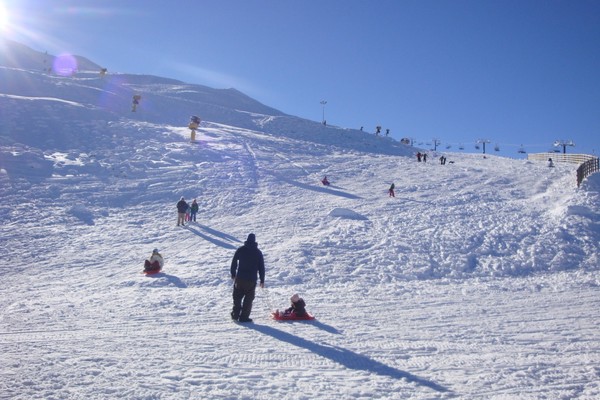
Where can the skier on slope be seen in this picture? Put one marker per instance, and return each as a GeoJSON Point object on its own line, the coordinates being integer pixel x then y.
{"type": "Point", "coordinates": [247, 263]}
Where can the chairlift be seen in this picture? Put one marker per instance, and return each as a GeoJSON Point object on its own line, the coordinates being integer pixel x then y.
{"type": "Point", "coordinates": [448, 146]}
{"type": "Point", "coordinates": [461, 147]}
{"type": "Point", "coordinates": [521, 150]}
{"type": "Point", "coordinates": [496, 148]}
{"type": "Point", "coordinates": [477, 147]}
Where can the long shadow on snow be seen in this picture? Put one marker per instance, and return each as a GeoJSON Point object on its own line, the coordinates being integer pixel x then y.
{"type": "Point", "coordinates": [327, 190]}
{"type": "Point", "coordinates": [171, 278]}
{"type": "Point", "coordinates": [347, 358]}
{"type": "Point", "coordinates": [316, 323]}
{"type": "Point", "coordinates": [219, 233]}
{"type": "Point", "coordinates": [211, 239]}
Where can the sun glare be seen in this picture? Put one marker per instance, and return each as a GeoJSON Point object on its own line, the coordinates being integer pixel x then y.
{"type": "Point", "coordinates": [3, 18]}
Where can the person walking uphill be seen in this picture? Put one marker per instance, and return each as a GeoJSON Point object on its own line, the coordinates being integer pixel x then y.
{"type": "Point", "coordinates": [182, 207]}
{"type": "Point", "coordinates": [247, 263]}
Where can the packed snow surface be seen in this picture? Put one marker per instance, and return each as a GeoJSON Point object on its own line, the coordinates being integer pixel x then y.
{"type": "Point", "coordinates": [479, 279]}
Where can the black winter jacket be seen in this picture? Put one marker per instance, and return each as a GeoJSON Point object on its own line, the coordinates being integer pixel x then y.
{"type": "Point", "coordinates": [182, 206]}
{"type": "Point", "coordinates": [248, 262]}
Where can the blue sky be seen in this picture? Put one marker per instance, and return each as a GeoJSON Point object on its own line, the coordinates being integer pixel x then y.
{"type": "Point", "coordinates": [512, 72]}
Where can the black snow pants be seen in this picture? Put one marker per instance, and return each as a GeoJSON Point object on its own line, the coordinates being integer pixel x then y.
{"type": "Point", "coordinates": [243, 296]}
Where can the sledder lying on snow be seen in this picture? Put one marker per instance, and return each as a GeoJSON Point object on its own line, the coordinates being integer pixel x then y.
{"type": "Point", "coordinates": [154, 264]}
{"type": "Point", "coordinates": [297, 311]}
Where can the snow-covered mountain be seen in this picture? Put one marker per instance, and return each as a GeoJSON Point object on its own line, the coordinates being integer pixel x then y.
{"type": "Point", "coordinates": [479, 279]}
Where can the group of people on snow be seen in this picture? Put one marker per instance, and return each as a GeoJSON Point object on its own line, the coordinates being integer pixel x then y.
{"type": "Point", "coordinates": [186, 212]}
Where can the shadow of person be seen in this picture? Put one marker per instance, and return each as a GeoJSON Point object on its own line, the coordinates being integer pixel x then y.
{"type": "Point", "coordinates": [174, 280]}
{"type": "Point", "coordinates": [347, 358]}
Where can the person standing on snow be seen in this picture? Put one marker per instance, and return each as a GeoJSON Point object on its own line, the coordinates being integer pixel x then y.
{"type": "Point", "coordinates": [247, 263]}
{"type": "Point", "coordinates": [391, 190]}
{"type": "Point", "coordinates": [188, 213]}
{"type": "Point", "coordinates": [182, 206]}
{"type": "Point", "coordinates": [194, 210]}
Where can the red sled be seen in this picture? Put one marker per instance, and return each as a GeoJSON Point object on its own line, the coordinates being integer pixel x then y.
{"type": "Point", "coordinates": [152, 272]}
{"type": "Point", "coordinates": [291, 317]}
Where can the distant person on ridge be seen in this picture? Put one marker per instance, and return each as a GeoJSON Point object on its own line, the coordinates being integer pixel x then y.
{"type": "Point", "coordinates": [325, 181]}
{"type": "Point", "coordinates": [182, 207]}
{"type": "Point", "coordinates": [419, 156]}
{"type": "Point", "coordinates": [550, 163]}
{"type": "Point", "coordinates": [391, 190]}
{"type": "Point", "coordinates": [247, 263]}
{"type": "Point", "coordinates": [135, 102]}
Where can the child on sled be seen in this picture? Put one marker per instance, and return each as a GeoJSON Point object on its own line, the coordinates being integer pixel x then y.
{"type": "Point", "coordinates": [297, 309]}
{"type": "Point", "coordinates": [155, 263]}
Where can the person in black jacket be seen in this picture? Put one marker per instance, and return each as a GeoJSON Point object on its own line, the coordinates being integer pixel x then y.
{"type": "Point", "coordinates": [247, 263]}
{"type": "Point", "coordinates": [182, 206]}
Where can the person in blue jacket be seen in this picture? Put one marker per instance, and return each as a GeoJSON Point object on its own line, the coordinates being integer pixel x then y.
{"type": "Point", "coordinates": [246, 266]}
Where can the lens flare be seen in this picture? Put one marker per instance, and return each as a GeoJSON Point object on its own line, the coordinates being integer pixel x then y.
{"type": "Point", "coordinates": [65, 65]}
{"type": "Point", "coordinates": [4, 20]}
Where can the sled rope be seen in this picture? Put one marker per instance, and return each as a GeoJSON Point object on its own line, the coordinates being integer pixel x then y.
{"type": "Point", "coordinates": [268, 298]}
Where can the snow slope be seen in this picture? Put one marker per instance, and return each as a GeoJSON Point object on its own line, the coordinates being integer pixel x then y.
{"type": "Point", "coordinates": [478, 280]}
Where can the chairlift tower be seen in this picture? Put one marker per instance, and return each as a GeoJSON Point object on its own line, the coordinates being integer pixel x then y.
{"type": "Point", "coordinates": [436, 143]}
{"type": "Point", "coordinates": [483, 142]}
{"type": "Point", "coordinates": [564, 144]}
{"type": "Point", "coordinates": [323, 102]}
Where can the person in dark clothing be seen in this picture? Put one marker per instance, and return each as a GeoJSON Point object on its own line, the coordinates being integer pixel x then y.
{"type": "Point", "coordinates": [298, 307]}
{"type": "Point", "coordinates": [194, 210]}
{"type": "Point", "coordinates": [182, 207]}
{"type": "Point", "coordinates": [247, 264]}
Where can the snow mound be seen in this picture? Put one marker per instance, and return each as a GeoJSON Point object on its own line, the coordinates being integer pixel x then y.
{"type": "Point", "coordinates": [346, 214]}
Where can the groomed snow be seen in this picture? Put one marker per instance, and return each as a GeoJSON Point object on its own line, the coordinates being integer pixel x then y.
{"type": "Point", "coordinates": [478, 280]}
